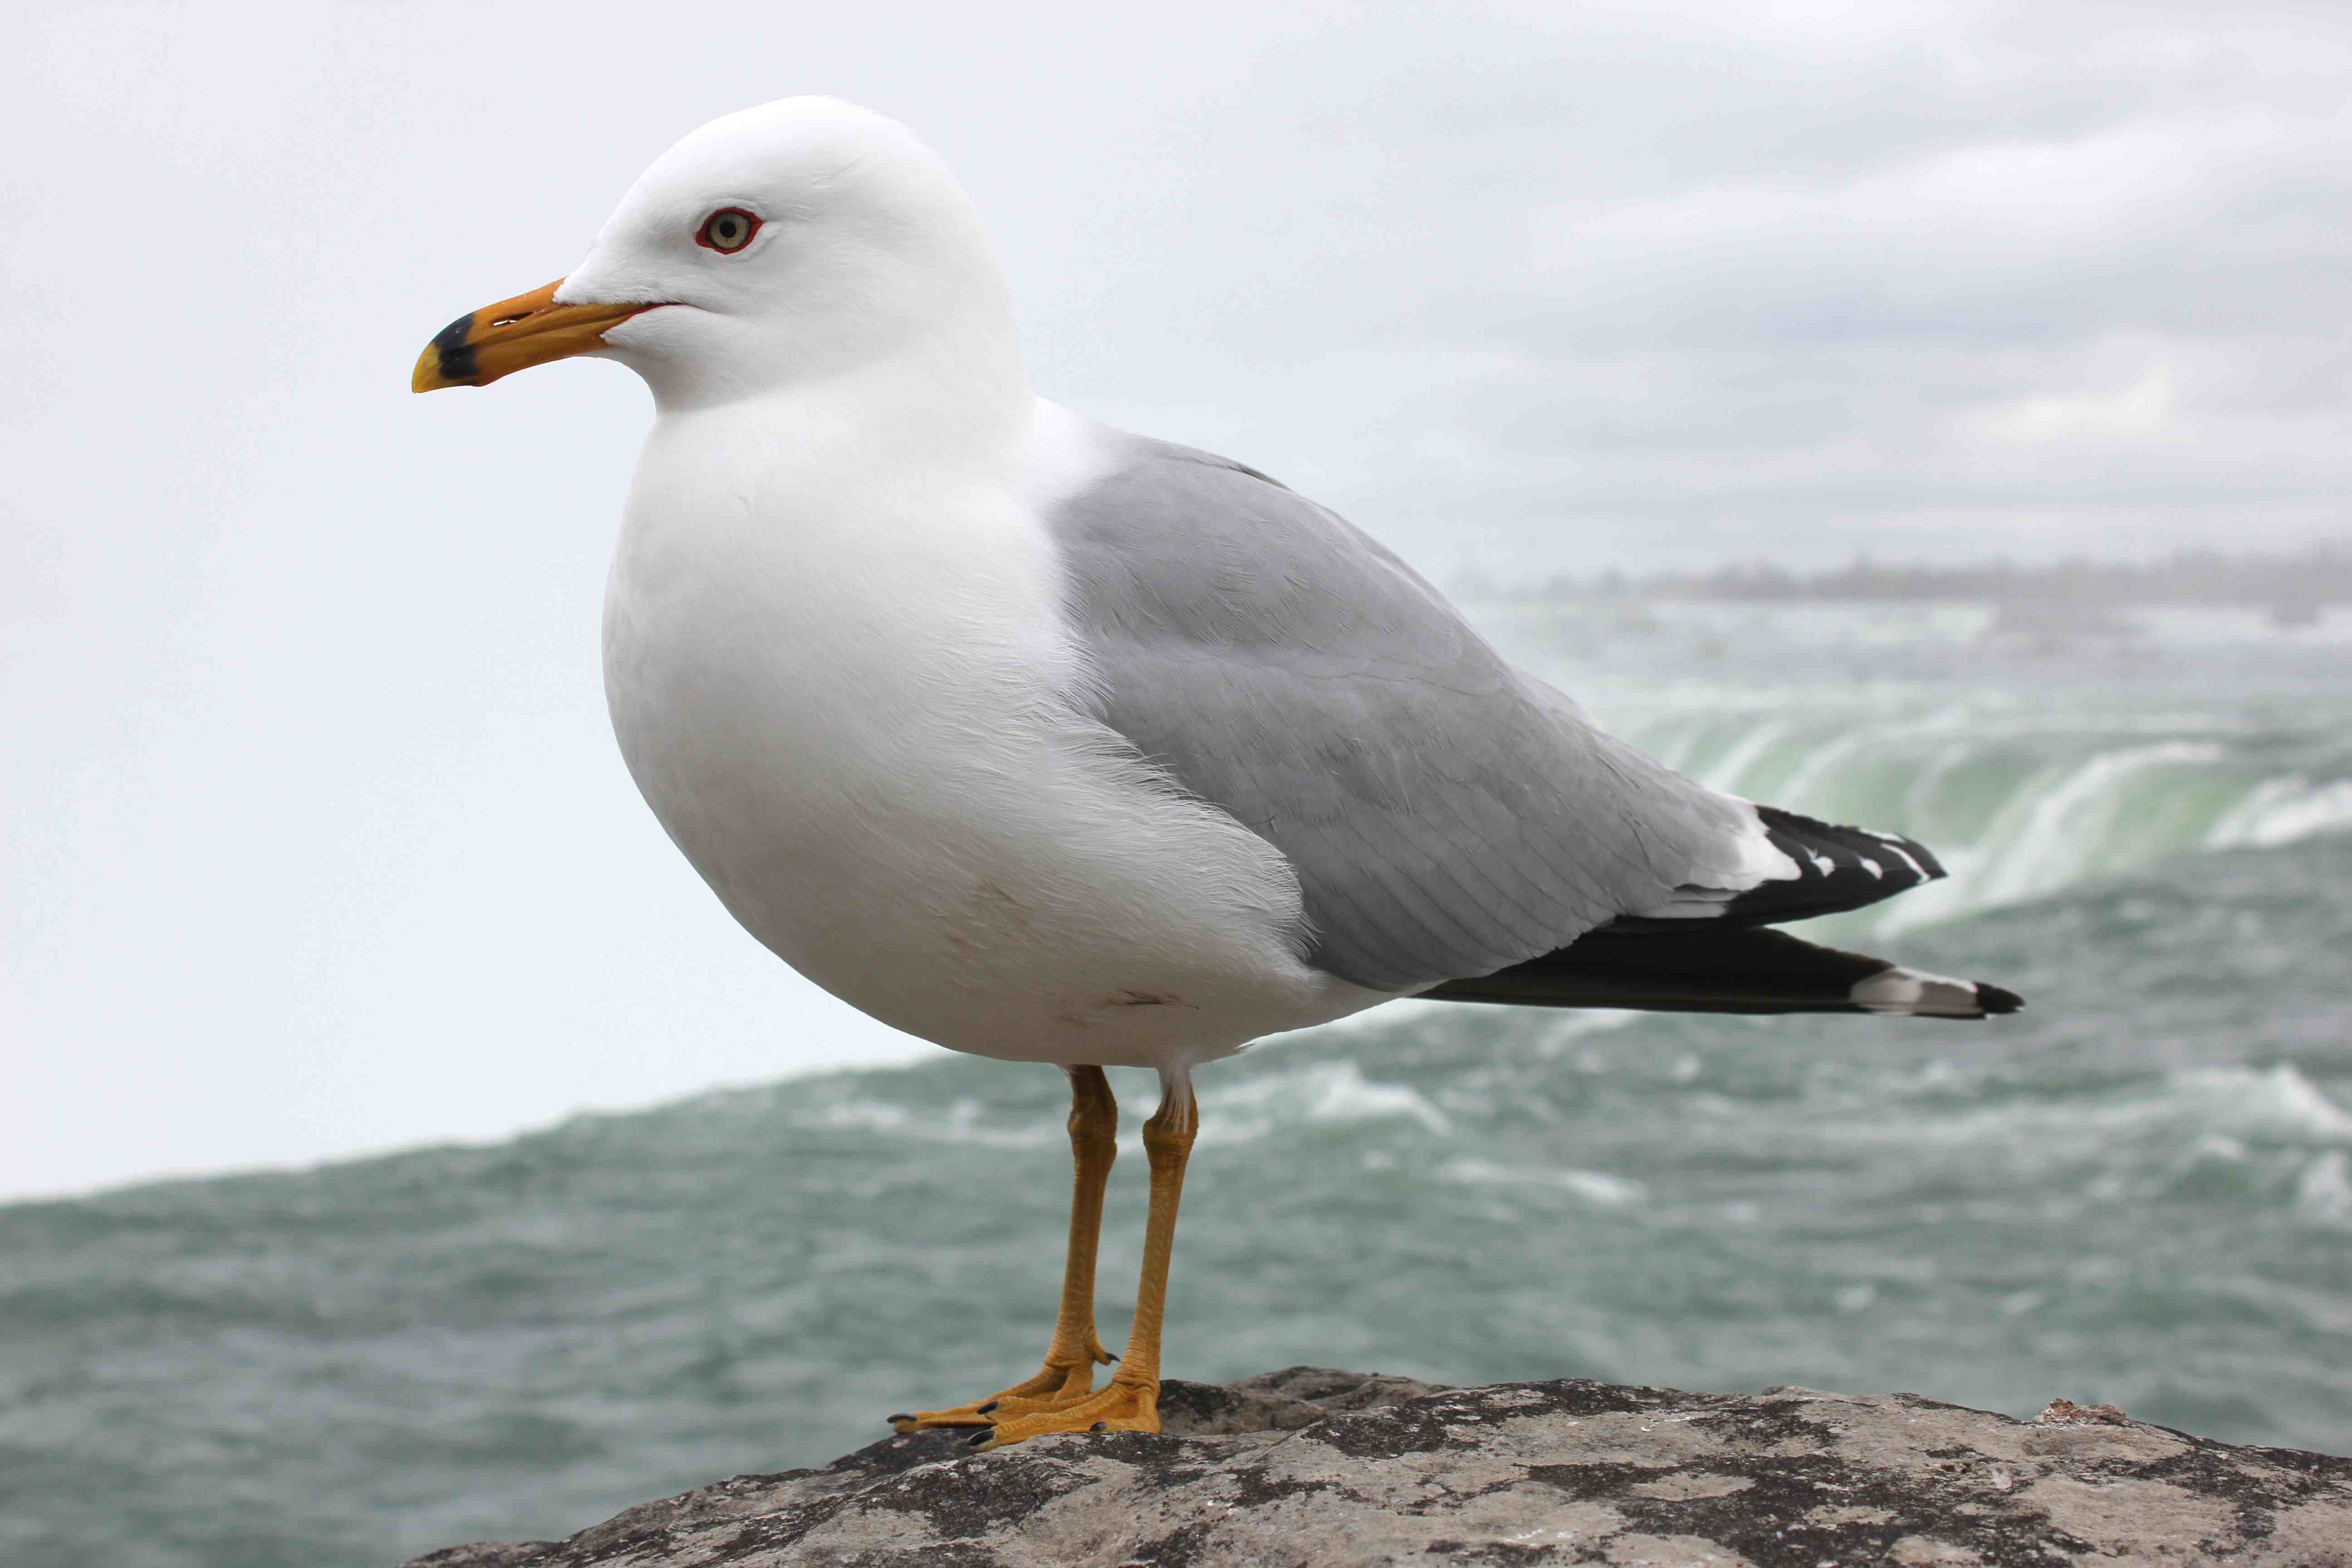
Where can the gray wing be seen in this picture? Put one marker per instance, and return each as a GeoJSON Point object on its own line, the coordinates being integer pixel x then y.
{"type": "Point", "coordinates": [1446, 815]}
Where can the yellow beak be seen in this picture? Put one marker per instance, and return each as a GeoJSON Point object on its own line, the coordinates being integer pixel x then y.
{"type": "Point", "coordinates": [514, 334]}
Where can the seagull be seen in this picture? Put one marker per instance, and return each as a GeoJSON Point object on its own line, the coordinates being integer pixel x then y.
{"type": "Point", "coordinates": [1053, 743]}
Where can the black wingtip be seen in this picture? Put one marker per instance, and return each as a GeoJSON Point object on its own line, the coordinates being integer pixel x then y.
{"type": "Point", "coordinates": [1836, 868]}
{"type": "Point", "coordinates": [1996, 1001]}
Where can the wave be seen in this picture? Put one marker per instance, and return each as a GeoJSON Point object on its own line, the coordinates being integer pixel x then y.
{"type": "Point", "coordinates": [1234, 1110]}
{"type": "Point", "coordinates": [2235, 1104]}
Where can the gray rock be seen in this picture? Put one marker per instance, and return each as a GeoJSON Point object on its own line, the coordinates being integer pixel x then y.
{"type": "Point", "coordinates": [1330, 1469]}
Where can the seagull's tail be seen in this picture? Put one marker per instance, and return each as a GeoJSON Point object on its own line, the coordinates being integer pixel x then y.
{"type": "Point", "coordinates": [1693, 968]}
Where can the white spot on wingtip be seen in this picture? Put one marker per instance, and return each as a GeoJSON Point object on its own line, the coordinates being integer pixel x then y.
{"type": "Point", "coordinates": [1895, 843]}
{"type": "Point", "coordinates": [1908, 991]}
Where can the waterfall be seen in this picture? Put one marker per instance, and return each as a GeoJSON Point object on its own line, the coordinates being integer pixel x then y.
{"type": "Point", "coordinates": [2018, 802]}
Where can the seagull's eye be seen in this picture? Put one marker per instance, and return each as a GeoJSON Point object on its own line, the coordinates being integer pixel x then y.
{"type": "Point", "coordinates": [728, 230]}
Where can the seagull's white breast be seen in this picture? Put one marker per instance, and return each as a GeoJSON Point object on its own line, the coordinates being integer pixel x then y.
{"type": "Point", "coordinates": [843, 682]}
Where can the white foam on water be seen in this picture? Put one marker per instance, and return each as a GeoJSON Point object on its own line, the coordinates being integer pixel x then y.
{"type": "Point", "coordinates": [2220, 1108]}
{"type": "Point", "coordinates": [2277, 1103]}
{"type": "Point", "coordinates": [2323, 1194]}
{"type": "Point", "coordinates": [1327, 1093]}
{"type": "Point", "coordinates": [2280, 811]}
{"type": "Point", "coordinates": [965, 1122]}
{"type": "Point", "coordinates": [1580, 1023]}
{"type": "Point", "coordinates": [857, 1115]}
{"type": "Point", "coordinates": [1597, 1187]}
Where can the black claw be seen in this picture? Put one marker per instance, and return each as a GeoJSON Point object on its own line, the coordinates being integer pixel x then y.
{"type": "Point", "coordinates": [978, 1440]}
{"type": "Point", "coordinates": [987, 1407]}
{"type": "Point", "coordinates": [1099, 1426]}
{"type": "Point", "coordinates": [901, 1416]}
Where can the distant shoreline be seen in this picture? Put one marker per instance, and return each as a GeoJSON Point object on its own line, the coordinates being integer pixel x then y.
{"type": "Point", "coordinates": [2292, 587]}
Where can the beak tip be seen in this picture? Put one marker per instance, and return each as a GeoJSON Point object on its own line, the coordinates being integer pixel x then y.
{"type": "Point", "coordinates": [428, 377]}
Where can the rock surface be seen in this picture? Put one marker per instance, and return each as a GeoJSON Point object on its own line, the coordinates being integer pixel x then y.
{"type": "Point", "coordinates": [1317, 1467]}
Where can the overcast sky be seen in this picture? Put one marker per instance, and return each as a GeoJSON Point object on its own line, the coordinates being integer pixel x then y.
{"type": "Point", "coordinates": [316, 840]}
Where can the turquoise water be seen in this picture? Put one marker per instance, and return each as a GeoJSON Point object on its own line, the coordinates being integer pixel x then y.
{"type": "Point", "coordinates": [2139, 1191]}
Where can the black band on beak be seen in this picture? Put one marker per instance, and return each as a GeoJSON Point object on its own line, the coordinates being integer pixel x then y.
{"type": "Point", "coordinates": [457, 354]}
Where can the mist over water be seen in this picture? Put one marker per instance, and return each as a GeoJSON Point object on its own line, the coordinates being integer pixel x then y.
{"type": "Point", "coordinates": [2139, 1190]}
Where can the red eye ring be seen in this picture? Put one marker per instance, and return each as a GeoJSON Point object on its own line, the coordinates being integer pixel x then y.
{"type": "Point", "coordinates": [728, 230]}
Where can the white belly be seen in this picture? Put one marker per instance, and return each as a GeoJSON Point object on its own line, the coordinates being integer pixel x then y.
{"type": "Point", "coordinates": [856, 724]}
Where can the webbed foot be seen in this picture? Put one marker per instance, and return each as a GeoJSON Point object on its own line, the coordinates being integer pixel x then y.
{"type": "Point", "coordinates": [1061, 1383]}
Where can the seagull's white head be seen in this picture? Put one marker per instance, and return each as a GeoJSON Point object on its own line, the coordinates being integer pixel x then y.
{"type": "Point", "coordinates": [805, 240]}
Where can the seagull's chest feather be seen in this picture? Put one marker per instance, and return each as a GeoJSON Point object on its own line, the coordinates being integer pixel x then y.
{"type": "Point", "coordinates": [847, 692]}
{"type": "Point", "coordinates": [809, 669]}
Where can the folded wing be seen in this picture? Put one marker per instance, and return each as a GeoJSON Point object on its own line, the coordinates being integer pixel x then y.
{"type": "Point", "coordinates": [1447, 815]}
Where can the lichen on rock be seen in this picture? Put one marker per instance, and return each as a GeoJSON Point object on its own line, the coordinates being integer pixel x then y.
{"type": "Point", "coordinates": [1313, 1468]}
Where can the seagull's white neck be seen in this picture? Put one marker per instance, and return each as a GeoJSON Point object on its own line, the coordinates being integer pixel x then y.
{"type": "Point", "coordinates": [940, 379]}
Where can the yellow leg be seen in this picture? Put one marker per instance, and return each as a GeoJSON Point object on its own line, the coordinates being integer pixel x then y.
{"type": "Point", "coordinates": [1131, 1402]}
{"type": "Point", "coordinates": [1072, 1356]}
